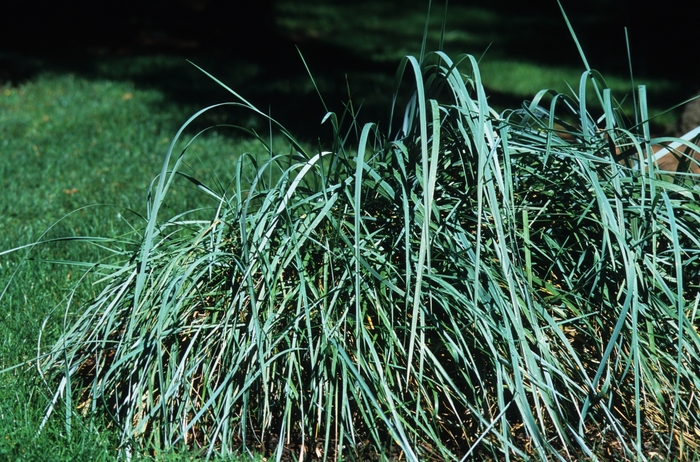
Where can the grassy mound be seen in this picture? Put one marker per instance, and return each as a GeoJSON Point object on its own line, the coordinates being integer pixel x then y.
{"type": "Point", "coordinates": [468, 284]}
{"type": "Point", "coordinates": [465, 283]}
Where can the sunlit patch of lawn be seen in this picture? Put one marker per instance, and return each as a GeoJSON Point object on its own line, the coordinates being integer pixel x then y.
{"type": "Point", "coordinates": [68, 144]}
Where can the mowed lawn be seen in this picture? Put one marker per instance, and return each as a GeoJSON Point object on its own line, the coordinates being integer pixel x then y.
{"type": "Point", "coordinates": [77, 158]}
{"type": "Point", "coordinates": [78, 151]}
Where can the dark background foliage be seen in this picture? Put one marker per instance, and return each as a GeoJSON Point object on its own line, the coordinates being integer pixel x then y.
{"type": "Point", "coordinates": [660, 31]}
{"type": "Point", "coordinates": [220, 35]}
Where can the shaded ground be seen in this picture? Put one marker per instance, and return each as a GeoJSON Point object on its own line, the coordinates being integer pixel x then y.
{"type": "Point", "coordinates": [254, 47]}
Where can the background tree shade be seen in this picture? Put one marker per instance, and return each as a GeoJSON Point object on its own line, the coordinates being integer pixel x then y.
{"type": "Point", "coordinates": [357, 42]}
{"type": "Point", "coordinates": [660, 32]}
{"type": "Point", "coordinates": [75, 26]}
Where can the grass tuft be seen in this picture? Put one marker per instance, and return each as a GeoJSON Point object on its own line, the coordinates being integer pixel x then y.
{"type": "Point", "coordinates": [465, 284]}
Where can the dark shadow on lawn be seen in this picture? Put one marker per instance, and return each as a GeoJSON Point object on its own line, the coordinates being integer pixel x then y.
{"type": "Point", "coordinates": [149, 43]}
{"type": "Point", "coordinates": [270, 73]}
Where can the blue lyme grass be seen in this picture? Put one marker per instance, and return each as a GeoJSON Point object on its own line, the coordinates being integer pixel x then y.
{"type": "Point", "coordinates": [460, 284]}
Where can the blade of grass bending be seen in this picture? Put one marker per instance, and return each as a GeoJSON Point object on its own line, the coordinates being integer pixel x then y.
{"type": "Point", "coordinates": [357, 208]}
{"type": "Point", "coordinates": [646, 131]}
{"type": "Point", "coordinates": [313, 82]}
{"type": "Point", "coordinates": [245, 103]}
{"type": "Point", "coordinates": [676, 143]}
{"type": "Point", "coordinates": [478, 134]}
{"type": "Point", "coordinates": [573, 35]}
{"type": "Point", "coordinates": [421, 57]}
{"type": "Point", "coordinates": [154, 203]}
{"type": "Point", "coordinates": [594, 394]}
{"type": "Point", "coordinates": [29, 247]}
{"type": "Point", "coordinates": [422, 114]}
{"type": "Point", "coordinates": [634, 93]}
{"type": "Point", "coordinates": [289, 193]}
{"type": "Point", "coordinates": [588, 126]}
{"type": "Point", "coordinates": [429, 180]}
{"type": "Point", "coordinates": [526, 247]}
{"type": "Point", "coordinates": [680, 315]}
{"type": "Point", "coordinates": [403, 130]}
{"type": "Point", "coordinates": [243, 100]}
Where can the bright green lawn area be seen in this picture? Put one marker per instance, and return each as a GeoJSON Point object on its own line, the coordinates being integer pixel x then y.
{"type": "Point", "coordinates": [77, 157]}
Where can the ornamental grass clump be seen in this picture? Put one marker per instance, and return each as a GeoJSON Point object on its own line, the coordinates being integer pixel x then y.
{"type": "Point", "coordinates": [464, 284]}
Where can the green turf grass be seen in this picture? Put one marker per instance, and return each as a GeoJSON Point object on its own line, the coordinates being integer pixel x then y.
{"type": "Point", "coordinates": [77, 158]}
